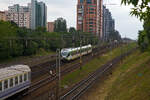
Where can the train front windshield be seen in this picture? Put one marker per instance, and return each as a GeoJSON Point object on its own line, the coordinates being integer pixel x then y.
{"type": "Point", "coordinates": [64, 54]}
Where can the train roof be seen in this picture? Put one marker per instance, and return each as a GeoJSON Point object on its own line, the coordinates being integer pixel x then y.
{"type": "Point", "coordinates": [73, 49]}
{"type": "Point", "coordinates": [13, 71]}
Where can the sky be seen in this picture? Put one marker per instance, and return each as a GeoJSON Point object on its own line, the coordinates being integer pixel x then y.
{"type": "Point", "coordinates": [127, 25]}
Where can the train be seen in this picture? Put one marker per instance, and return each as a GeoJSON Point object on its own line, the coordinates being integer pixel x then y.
{"type": "Point", "coordinates": [68, 54]}
{"type": "Point", "coordinates": [13, 80]}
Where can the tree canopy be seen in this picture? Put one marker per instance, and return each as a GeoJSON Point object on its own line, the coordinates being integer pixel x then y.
{"type": "Point", "coordinates": [141, 10]}
{"type": "Point", "coordinates": [29, 42]}
{"type": "Point", "coordinates": [60, 25]}
{"type": "Point", "coordinates": [114, 35]}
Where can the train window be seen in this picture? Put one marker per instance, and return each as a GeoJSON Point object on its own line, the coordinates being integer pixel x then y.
{"type": "Point", "coordinates": [28, 75]}
{"type": "Point", "coordinates": [11, 82]}
{"type": "Point", "coordinates": [0, 86]}
{"type": "Point", "coordinates": [5, 84]}
{"type": "Point", "coordinates": [74, 52]}
{"type": "Point", "coordinates": [20, 78]}
{"type": "Point", "coordinates": [69, 54]}
{"type": "Point", "coordinates": [16, 80]}
{"type": "Point", "coordinates": [25, 77]}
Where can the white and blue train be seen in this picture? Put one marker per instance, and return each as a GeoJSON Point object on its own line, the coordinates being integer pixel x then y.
{"type": "Point", "coordinates": [13, 80]}
{"type": "Point", "coordinates": [73, 53]}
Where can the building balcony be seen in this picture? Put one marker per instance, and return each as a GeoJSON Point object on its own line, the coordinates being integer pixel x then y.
{"type": "Point", "coordinates": [79, 22]}
{"type": "Point", "coordinates": [80, 18]}
{"type": "Point", "coordinates": [80, 11]}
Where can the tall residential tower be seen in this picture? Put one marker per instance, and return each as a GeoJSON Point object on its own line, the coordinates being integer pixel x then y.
{"type": "Point", "coordinates": [89, 16]}
{"type": "Point", "coordinates": [108, 23]}
{"type": "Point", "coordinates": [38, 14]}
{"type": "Point", "coordinates": [19, 14]}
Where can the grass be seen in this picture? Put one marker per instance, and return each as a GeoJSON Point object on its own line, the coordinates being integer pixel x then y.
{"type": "Point", "coordinates": [131, 79]}
{"type": "Point", "coordinates": [91, 66]}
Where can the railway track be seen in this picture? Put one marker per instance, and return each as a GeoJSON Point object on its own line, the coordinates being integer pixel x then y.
{"type": "Point", "coordinates": [71, 67]}
{"type": "Point", "coordinates": [83, 85]}
{"type": "Point", "coordinates": [43, 70]}
{"type": "Point", "coordinates": [65, 71]}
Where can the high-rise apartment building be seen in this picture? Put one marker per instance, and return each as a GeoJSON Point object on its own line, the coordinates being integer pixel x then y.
{"type": "Point", "coordinates": [108, 23]}
{"type": "Point", "coordinates": [19, 14]}
{"type": "Point", "coordinates": [89, 16]}
{"type": "Point", "coordinates": [38, 14]}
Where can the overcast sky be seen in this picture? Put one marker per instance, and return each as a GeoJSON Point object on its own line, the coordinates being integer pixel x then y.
{"type": "Point", "coordinates": [127, 26]}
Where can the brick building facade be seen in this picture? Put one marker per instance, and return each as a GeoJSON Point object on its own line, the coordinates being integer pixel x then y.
{"type": "Point", "coordinates": [89, 16]}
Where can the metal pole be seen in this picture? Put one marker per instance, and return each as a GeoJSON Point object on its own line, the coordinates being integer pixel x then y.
{"type": "Point", "coordinates": [57, 89]}
{"type": "Point", "coordinates": [58, 73]}
{"type": "Point", "coordinates": [80, 53]}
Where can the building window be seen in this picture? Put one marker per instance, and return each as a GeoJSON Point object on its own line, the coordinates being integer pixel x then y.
{"type": "Point", "coordinates": [92, 9]}
{"type": "Point", "coordinates": [94, 1]}
{"type": "Point", "coordinates": [11, 82]}
{"type": "Point", "coordinates": [90, 29]}
{"type": "Point", "coordinates": [81, 1]}
{"type": "Point", "coordinates": [16, 80]}
{"type": "Point", "coordinates": [0, 86]}
{"type": "Point", "coordinates": [91, 19]}
{"type": "Point", "coordinates": [88, 1]}
{"type": "Point", "coordinates": [5, 84]}
{"type": "Point", "coordinates": [90, 25]}
{"type": "Point", "coordinates": [90, 22]}
{"type": "Point", "coordinates": [91, 12]}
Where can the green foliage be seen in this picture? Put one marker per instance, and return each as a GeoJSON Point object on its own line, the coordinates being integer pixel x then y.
{"type": "Point", "coordinates": [143, 40]}
{"type": "Point", "coordinates": [41, 40]}
{"type": "Point", "coordinates": [60, 25]}
{"type": "Point", "coordinates": [72, 30]}
{"type": "Point", "coordinates": [141, 10]}
{"type": "Point", "coordinates": [32, 49]}
{"type": "Point", "coordinates": [114, 35]}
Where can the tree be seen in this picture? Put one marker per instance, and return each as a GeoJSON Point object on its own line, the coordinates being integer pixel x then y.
{"type": "Point", "coordinates": [141, 8]}
{"type": "Point", "coordinates": [72, 30]}
{"type": "Point", "coordinates": [114, 35]}
{"type": "Point", "coordinates": [41, 29]}
{"type": "Point", "coordinates": [60, 25]}
{"type": "Point", "coordinates": [143, 40]}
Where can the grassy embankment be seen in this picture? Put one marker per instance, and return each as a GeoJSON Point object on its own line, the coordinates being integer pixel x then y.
{"type": "Point", "coordinates": [132, 79]}
{"type": "Point", "coordinates": [91, 66]}
{"type": "Point", "coordinates": [129, 81]}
